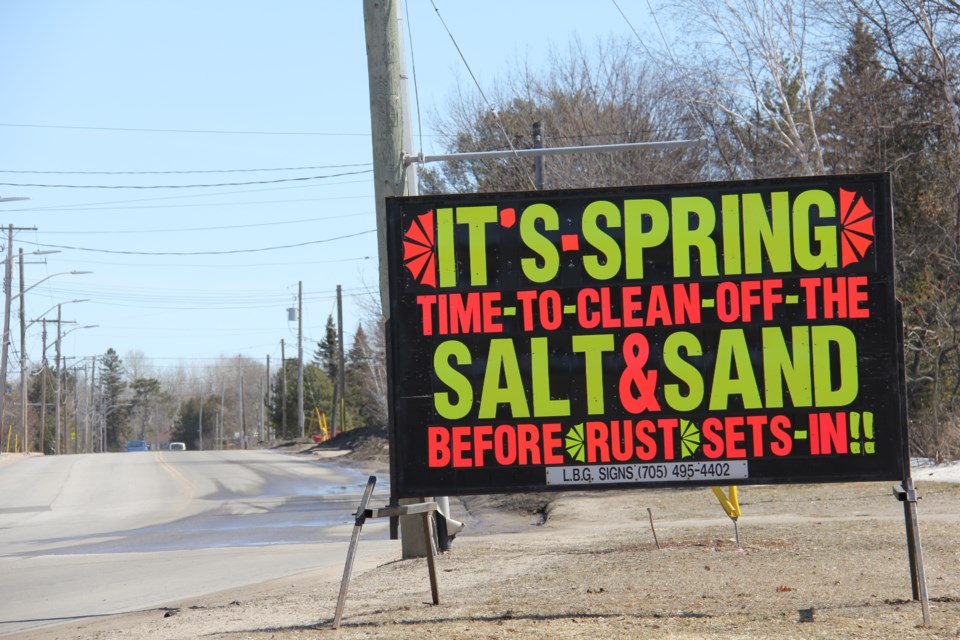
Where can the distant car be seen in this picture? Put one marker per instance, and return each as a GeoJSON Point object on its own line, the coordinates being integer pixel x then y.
{"type": "Point", "coordinates": [177, 446]}
{"type": "Point", "coordinates": [137, 445]}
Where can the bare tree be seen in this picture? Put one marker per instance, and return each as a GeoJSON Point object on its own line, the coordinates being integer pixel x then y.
{"type": "Point", "coordinates": [606, 95]}
{"type": "Point", "coordinates": [750, 69]}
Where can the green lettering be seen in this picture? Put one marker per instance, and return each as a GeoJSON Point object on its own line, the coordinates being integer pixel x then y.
{"type": "Point", "coordinates": [593, 347]}
{"type": "Point", "coordinates": [733, 374]}
{"type": "Point", "coordinates": [825, 236]}
{"type": "Point", "coordinates": [540, 244]}
{"type": "Point", "coordinates": [502, 365]}
{"type": "Point", "coordinates": [477, 219]}
{"type": "Point", "coordinates": [637, 213]}
{"type": "Point", "coordinates": [830, 391]}
{"type": "Point", "coordinates": [446, 255]}
{"type": "Point", "coordinates": [544, 405]}
{"type": "Point", "coordinates": [694, 219]}
{"type": "Point", "coordinates": [732, 255]}
{"type": "Point", "coordinates": [780, 365]}
{"type": "Point", "coordinates": [609, 266]}
{"type": "Point", "coordinates": [773, 232]}
{"type": "Point", "coordinates": [688, 374]}
{"type": "Point", "coordinates": [458, 383]}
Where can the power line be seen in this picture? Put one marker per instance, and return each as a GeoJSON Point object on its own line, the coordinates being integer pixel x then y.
{"type": "Point", "coordinates": [183, 171]}
{"type": "Point", "coordinates": [493, 110]}
{"type": "Point", "coordinates": [182, 186]}
{"type": "Point", "coordinates": [199, 253]}
{"type": "Point", "coordinates": [92, 205]}
{"type": "Point", "coordinates": [200, 131]}
{"type": "Point", "coordinates": [219, 228]}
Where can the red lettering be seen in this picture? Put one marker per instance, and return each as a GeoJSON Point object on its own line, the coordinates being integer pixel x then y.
{"type": "Point", "coordinates": [810, 286]}
{"type": "Point", "coordinates": [551, 311]}
{"type": "Point", "coordinates": [669, 427]}
{"type": "Point", "coordinates": [438, 447]}
{"type": "Point", "coordinates": [505, 439]}
{"type": "Point", "coordinates": [632, 307]}
{"type": "Point", "coordinates": [749, 298]}
{"type": "Point", "coordinates": [588, 318]}
{"type": "Point", "coordinates": [461, 447]}
{"type": "Point", "coordinates": [857, 297]}
{"type": "Point", "coordinates": [757, 423]}
{"type": "Point", "coordinates": [734, 438]}
{"type": "Point", "coordinates": [464, 313]}
{"type": "Point", "coordinates": [426, 313]}
{"type": "Point", "coordinates": [597, 441]}
{"type": "Point", "coordinates": [528, 437]}
{"type": "Point", "coordinates": [728, 309]}
{"type": "Point", "coordinates": [646, 445]}
{"type": "Point", "coordinates": [771, 297]}
{"type": "Point", "coordinates": [686, 303]}
{"type": "Point", "coordinates": [621, 439]}
{"type": "Point", "coordinates": [710, 431]}
{"type": "Point", "coordinates": [491, 312]}
{"type": "Point", "coordinates": [482, 442]}
{"type": "Point", "coordinates": [608, 321]}
{"type": "Point", "coordinates": [658, 307]}
{"type": "Point", "coordinates": [828, 433]}
{"type": "Point", "coordinates": [526, 298]}
{"type": "Point", "coordinates": [784, 443]}
{"type": "Point", "coordinates": [552, 443]}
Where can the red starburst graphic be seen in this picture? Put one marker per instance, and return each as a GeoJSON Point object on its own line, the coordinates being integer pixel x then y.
{"type": "Point", "coordinates": [856, 227]}
{"type": "Point", "coordinates": [420, 249]}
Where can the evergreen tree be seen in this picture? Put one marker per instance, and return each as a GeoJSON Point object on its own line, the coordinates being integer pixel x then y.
{"type": "Point", "coordinates": [317, 396]}
{"type": "Point", "coordinates": [115, 410]}
{"type": "Point", "coordinates": [326, 355]}
{"type": "Point", "coordinates": [146, 394]}
{"type": "Point", "coordinates": [188, 423]}
{"type": "Point", "coordinates": [362, 388]}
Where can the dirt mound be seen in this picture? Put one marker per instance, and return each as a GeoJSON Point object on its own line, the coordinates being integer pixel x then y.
{"type": "Point", "coordinates": [370, 444]}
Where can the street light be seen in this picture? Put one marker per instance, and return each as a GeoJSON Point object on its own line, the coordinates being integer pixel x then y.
{"type": "Point", "coordinates": [6, 334]}
{"type": "Point", "coordinates": [59, 338]}
{"type": "Point", "coordinates": [23, 353]}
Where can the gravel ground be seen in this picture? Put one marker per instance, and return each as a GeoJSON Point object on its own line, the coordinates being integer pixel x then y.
{"type": "Point", "coordinates": [825, 561]}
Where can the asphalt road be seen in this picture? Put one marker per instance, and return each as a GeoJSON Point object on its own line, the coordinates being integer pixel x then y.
{"type": "Point", "coordinates": [98, 534]}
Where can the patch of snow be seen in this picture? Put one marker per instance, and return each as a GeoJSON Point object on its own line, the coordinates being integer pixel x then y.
{"type": "Point", "coordinates": [925, 469]}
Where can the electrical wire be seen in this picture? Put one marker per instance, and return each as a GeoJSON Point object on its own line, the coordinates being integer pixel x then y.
{"type": "Point", "coordinates": [183, 186]}
{"type": "Point", "coordinates": [92, 205]}
{"type": "Point", "coordinates": [184, 171]}
{"type": "Point", "coordinates": [643, 44]}
{"type": "Point", "coordinates": [199, 253]}
{"type": "Point", "coordinates": [493, 110]}
{"type": "Point", "coordinates": [413, 72]}
{"type": "Point", "coordinates": [200, 131]}
{"type": "Point", "coordinates": [219, 228]}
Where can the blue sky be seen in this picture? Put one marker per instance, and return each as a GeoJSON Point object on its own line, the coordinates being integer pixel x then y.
{"type": "Point", "coordinates": [203, 90]}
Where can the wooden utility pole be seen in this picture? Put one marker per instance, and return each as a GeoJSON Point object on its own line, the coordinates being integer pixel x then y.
{"type": "Point", "coordinates": [339, 406]}
{"type": "Point", "coordinates": [386, 118]}
{"type": "Point", "coordinates": [43, 387]}
{"type": "Point", "coordinates": [381, 20]}
{"type": "Point", "coordinates": [269, 396]}
{"type": "Point", "coordinates": [7, 300]}
{"type": "Point", "coordinates": [243, 416]}
{"type": "Point", "coordinates": [283, 389]}
{"type": "Point", "coordinates": [200, 421]}
{"type": "Point", "coordinates": [300, 359]}
{"type": "Point", "coordinates": [23, 364]}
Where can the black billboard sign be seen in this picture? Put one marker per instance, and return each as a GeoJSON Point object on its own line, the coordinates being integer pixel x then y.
{"type": "Point", "coordinates": [697, 334]}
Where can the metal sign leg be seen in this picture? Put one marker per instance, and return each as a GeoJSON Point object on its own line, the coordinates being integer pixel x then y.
{"type": "Point", "coordinates": [352, 551]}
{"type": "Point", "coordinates": [907, 494]}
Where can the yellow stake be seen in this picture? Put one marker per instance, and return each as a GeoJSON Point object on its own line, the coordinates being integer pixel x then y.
{"type": "Point", "coordinates": [731, 505]}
